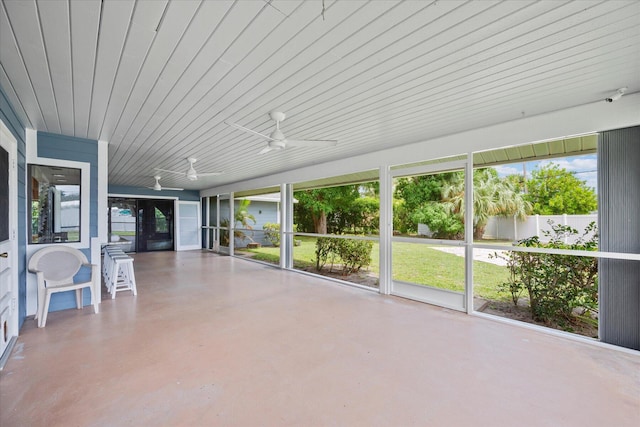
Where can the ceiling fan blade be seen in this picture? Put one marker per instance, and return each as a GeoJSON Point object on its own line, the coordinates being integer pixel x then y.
{"type": "Point", "coordinates": [265, 150]}
{"type": "Point", "coordinates": [166, 170]}
{"type": "Point", "coordinates": [312, 142]}
{"type": "Point", "coordinates": [165, 188]}
{"type": "Point", "coordinates": [244, 129]}
{"type": "Point", "coordinates": [210, 173]}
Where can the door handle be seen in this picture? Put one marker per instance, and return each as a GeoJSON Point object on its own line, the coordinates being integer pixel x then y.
{"type": "Point", "coordinates": [4, 255]}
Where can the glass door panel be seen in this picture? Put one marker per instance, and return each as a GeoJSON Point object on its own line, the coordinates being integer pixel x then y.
{"type": "Point", "coordinates": [224, 213]}
{"type": "Point", "coordinates": [155, 225]}
{"type": "Point", "coordinates": [123, 223]}
{"type": "Point", "coordinates": [218, 226]}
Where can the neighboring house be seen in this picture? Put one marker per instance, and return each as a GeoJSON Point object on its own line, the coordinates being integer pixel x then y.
{"type": "Point", "coordinates": [265, 208]}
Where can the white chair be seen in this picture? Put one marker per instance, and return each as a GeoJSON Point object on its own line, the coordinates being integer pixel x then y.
{"type": "Point", "coordinates": [55, 267]}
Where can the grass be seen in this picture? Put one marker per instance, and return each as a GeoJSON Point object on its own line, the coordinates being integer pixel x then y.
{"type": "Point", "coordinates": [125, 233]}
{"type": "Point", "coordinates": [414, 263]}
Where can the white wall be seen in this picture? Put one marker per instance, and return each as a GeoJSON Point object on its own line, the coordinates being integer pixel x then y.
{"type": "Point", "coordinates": [536, 225]}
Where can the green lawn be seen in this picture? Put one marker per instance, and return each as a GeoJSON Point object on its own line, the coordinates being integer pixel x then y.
{"type": "Point", "coordinates": [413, 263]}
{"type": "Point", "coordinates": [124, 233]}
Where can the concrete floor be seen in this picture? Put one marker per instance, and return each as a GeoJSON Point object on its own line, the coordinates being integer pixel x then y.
{"type": "Point", "coordinates": [212, 340]}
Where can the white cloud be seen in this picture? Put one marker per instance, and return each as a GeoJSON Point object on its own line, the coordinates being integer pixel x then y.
{"type": "Point", "coordinates": [584, 167]}
{"type": "Point", "coordinates": [573, 164]}
{"type": "Point", "coordinates": [591, 179]}
{"type": "Point", "coordinates": [504, 170]}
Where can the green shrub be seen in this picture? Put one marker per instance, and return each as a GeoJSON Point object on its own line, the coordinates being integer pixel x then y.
{"type": "Point", "coordinates": [325, 247]}
{"type": "Point", "coordinates": [351, 254]}
{"type": "Point", "coordinates": [402, 222]}
{"type": "Point", "coordinates": [442, 224]}
{"type": "Point", "coordinates": [558, 286]}
{"type": "Point", "coordinates": [272, 233]}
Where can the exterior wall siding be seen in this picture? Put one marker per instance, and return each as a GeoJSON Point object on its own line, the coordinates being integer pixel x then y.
{"type": "Point", "coordinates": [62, 147]}
{"type": "Point", "coordinates": [263, 212]}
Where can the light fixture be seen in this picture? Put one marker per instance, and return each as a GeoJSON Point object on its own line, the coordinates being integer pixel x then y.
{"type": "Point", "coordinates": [617, 95]}
{"type": "Point", "coordinates": [192, 175]}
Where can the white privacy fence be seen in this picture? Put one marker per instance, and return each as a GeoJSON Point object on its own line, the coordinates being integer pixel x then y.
{"type": "Point", "coordinates": [535, 225]}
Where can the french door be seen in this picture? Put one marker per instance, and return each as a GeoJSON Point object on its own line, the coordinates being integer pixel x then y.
{"type": "Point", "coordinates": [142, 225]}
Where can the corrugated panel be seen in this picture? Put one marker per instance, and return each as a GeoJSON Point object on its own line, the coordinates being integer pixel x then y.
{"type": "Point", "coordinates": [257, 192]}
{"type": "Point", "coordinates": [439, 161]}
{"type": "Point", "coordinates": [335, 181]}
{"type": "Point", "coordinates": [544, 150]}
{"type": "Point", "coordinates": [573, 144]}
{"type": "Point", "coordinates": [619, 227]}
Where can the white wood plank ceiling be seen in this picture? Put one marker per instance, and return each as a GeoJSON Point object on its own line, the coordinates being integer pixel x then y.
{"type": "Point", "coordinates": [157, 79]}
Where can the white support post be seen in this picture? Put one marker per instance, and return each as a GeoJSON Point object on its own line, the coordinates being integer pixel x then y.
{"type": "Point", "coordinates": [284, 225]}
{"type": "Point", "coordinates": [103, 209]}
{"type": "Point", "coordinates": [386, 231]}
{"type": "Point", "coordinates": [289, 237]}
{"type": "Point", "coordinates": [468, 233]}
{"type": "Point", "coordinates": [216, 235]}
{"type": "Point", "coordinates": [232, 224]}
{"type": "Point", "coordinates": [207, 222]}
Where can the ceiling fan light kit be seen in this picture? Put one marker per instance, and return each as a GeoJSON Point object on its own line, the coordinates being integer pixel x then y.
{"type": "Point", "coordinates": [192, 175]}
{"type": "Point", "coordinates": [278, 141]}
{"type": "Point", "coordinates": [158, 187]}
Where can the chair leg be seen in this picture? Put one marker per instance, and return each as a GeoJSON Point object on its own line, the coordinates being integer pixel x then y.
{"type": "Point", "coordinates": [94, 288]}
{"type": "Point", "coordinates": [79, 299]}
{"type": "Point", "coordinates": [39, 303]}
{"type": "Point", "coordinates": [132, 279]}
{"type": "Point", "coordinates": [114, 278]}
{"type": "Point", "coordinates": [42, 321]}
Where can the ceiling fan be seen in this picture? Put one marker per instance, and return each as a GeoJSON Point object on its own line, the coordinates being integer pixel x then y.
{"type": "Point", "coordinates": [158, 187]}
{"type": "Point", "coordinates": [191, 173]}
{"type": "Point", "coordinates": [277, 141]}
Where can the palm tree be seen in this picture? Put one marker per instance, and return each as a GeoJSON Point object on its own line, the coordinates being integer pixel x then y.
{"type": "Point", "coordinates": [491, 196]}
{"type": "Point", "coordinates": [242, 218]}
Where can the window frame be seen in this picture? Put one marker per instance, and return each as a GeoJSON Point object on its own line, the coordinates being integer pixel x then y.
{"type": "Point", "coordinates": [85, 199]}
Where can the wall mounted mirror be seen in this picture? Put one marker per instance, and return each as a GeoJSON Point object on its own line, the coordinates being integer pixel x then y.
{"type": "Point", "coordinates": [55, 204]}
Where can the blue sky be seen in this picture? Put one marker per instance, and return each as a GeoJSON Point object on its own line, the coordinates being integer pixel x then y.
{"type": "Point", "coordinates": [584, 166]}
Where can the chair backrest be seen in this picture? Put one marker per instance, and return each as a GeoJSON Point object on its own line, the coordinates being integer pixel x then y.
{"type": "Point", "coordinates": [58, 263]}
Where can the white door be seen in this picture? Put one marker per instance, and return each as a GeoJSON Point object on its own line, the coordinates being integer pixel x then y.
{"type": "Point", "coordinates": [8, 242]}
{"type": "Point", "coordinates": [188, 231]}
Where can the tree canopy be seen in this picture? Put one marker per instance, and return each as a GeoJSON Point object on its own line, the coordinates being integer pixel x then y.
{"type": "Point", "coordinates": [352, 208]}
{"type": "Point", "coordinates": [437, 200]}
{"type": "Point", "coordinates": [428, 198]}
{"type": "Point", "coordinates": [553, 190]}
{"type": "Point", "coordinates": [492, 196]}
